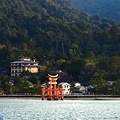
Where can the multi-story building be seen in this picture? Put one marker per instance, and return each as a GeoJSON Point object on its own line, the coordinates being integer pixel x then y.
{"type": "Point", "coordinates": [24, 64]}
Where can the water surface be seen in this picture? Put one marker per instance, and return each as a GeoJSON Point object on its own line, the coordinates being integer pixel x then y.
{"type": "Point", "coordinates": [26, 109]}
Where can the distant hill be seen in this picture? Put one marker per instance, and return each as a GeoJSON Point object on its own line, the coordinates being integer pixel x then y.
{"type": "Point", "coordinates": [53, 32]}
{"type": "Point", "coordinates": [104, 8]}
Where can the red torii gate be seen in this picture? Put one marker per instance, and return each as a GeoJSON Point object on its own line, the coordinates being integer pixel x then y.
{"type": "Point", "coordinates": [52, 91]}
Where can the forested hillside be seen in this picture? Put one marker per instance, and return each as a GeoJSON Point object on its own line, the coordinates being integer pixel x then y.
{"type": "Point", "coordinates": [104, 8]}
{"type": "Point", "coordinates": [58, 36]}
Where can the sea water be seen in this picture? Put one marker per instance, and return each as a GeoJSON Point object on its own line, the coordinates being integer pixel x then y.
{"type": "Point", "coordinates": [29, 109]}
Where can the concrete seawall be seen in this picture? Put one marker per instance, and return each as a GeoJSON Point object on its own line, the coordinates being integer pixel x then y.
{"type": "Point", "coordinates": [77, 97]}
{"type": "Point", "coordinates": [92, 97]}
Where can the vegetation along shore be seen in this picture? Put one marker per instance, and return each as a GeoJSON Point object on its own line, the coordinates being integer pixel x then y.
{"type": "Point", "coordinates": [60, 39]}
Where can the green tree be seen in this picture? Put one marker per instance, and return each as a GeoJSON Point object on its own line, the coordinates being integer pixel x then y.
{"type": "Point", "coordinates": [5, 82]}
{"type": "Point", "coordinates": [37, 88]}
{"type": "Point", "coordinates": [90, 57]}
{"type": "Point", "coordinates": [17, 81]}
{"type": "Point", "coordinates": [76, 66]}
{"type": "Point", "coordinates": [103, 62]}
{"type": "Point", "coordinates": [101, 85]}
{"type": "Point", "coordinates": [116, 87]}
{"type": "Point", "coordinates": [72, 87]}
{"type": "Point", "coordinates": [25, 88]}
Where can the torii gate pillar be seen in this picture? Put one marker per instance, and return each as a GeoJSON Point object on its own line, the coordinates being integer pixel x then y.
{"type": "Point", "coordinates": [52, 90]}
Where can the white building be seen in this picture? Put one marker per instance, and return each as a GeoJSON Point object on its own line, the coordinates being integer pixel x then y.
{"type": "Point", "coordinates": [24, 64]}
{"type": "Point", "coordinates": [111, 82]}
{"type": "Point", "coordinates": [44, 85]}
{"type": "Point", "coordinates": [66, 87]}
{"type": "Point", "coordinates": [77, 85]}
{"type": "Point", "coordinates": [79, 88]}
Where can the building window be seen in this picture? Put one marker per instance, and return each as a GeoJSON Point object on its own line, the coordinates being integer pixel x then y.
{"type": "Point", "coordinates": [12, 67]}
{"type": "Point", "coordinates": [12, 64]}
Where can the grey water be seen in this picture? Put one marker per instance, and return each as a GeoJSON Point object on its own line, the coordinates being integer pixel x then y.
{"type": "Point", "coordinates": [29, 109]}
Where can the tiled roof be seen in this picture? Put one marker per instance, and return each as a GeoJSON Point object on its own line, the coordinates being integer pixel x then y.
{"type": "Point", "coordinates": [23, 61]}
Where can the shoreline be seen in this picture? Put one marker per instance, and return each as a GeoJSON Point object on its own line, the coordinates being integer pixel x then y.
{"type": "Point", "coordinates": [78, 97]}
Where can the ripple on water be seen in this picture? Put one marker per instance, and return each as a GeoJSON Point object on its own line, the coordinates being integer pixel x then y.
{"type": "Point", "coordinates": [17, 109]}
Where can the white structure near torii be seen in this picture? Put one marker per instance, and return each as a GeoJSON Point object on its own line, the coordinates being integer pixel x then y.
{"type": "Point", "coordinates": [66, 87]}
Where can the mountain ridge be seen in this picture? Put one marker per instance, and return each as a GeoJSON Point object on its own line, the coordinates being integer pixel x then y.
{"type": "Point", "coordinates": [105, 8]}
{"type": "Point", "coordinates": [53, 31]}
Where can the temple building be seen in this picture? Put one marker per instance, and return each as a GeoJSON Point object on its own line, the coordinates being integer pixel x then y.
{"type": "Point", "coordinates": [24, 64]}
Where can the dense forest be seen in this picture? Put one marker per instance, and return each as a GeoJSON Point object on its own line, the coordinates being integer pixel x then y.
{"type": "Point", "coordinates": [104, 8]}
{"type": "Point", "coordinates": [59, 37]}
